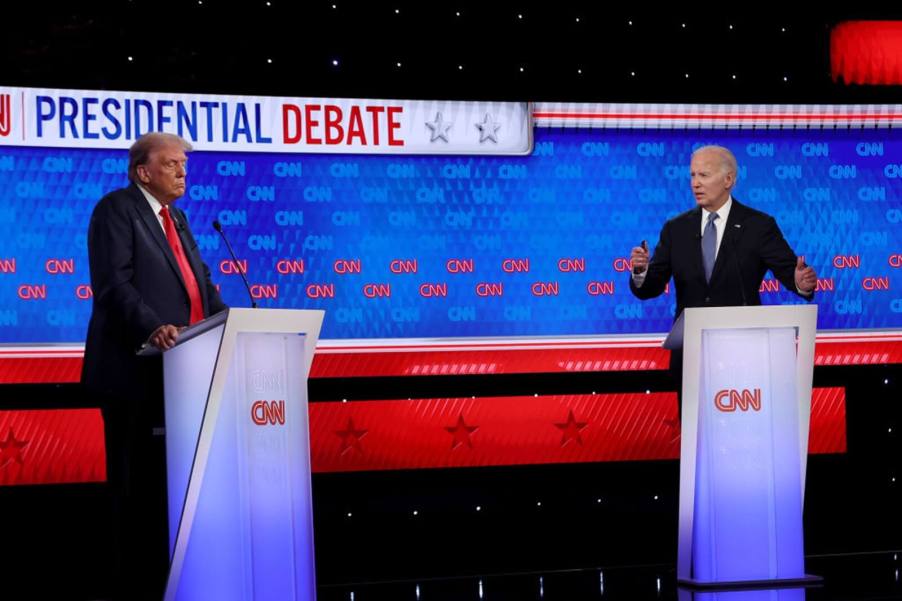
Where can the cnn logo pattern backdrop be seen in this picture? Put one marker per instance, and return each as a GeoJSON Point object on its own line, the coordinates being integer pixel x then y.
{"type": "Point", "coordinates": [430, 246]}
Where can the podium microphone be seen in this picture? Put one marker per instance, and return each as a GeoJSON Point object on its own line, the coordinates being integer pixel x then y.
{"type": "Point", "coordinates": [218, 227]}
{"type": "Point", "coordinates": [644, 246]}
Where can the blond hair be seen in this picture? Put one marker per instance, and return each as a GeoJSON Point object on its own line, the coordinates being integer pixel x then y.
{"type": "Point", "coordinates": [140, 151]}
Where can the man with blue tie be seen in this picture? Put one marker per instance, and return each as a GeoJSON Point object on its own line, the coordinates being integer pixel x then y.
{"type": "Point", "coordinates": [719, 252]}
{"type": "Point", "coordinates": [149, 282]}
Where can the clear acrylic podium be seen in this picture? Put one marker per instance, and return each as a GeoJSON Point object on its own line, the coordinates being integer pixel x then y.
{"type": "Point", "coordinates": [747, 378]}
{"type": "Point", "coordinates": [238, 457]}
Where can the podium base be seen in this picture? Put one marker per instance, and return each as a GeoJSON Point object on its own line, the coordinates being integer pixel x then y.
{"type": "Point", "coordinates": [734, 585]}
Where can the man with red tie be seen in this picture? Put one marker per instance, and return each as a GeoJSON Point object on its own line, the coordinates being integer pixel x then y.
{"type": "Point", "coordinates": [149, 282]}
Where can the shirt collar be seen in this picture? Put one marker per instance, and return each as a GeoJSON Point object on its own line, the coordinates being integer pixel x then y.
{"type": "Point", "coordinates": [722, 213]}
{"type": "Point", "coordinates": [155, 205]}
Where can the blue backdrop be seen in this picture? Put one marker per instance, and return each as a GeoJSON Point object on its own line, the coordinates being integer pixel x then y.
{"type": "Point", "coordinates": [425, 246]}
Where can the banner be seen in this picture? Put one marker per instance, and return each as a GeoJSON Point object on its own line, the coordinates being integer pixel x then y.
{"type": "Point", "coordinates": [100, 119]}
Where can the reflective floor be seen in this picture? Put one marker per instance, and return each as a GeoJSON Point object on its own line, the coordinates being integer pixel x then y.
{"type": "Point", "coordinates": [846, 577]}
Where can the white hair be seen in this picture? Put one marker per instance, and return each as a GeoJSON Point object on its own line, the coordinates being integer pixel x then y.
{"type": "Point", "coordinates": [728, 161]}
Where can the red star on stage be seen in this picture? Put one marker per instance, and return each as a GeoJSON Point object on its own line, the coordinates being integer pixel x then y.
{"type": "Point", "coordinates": [461, 433]}
{"type": "Point", "coordinates": [571, 429]}
{"type": "Point", "coordinates": [350, 438]}
{"type": "Point", "coordinates": [11, 449]}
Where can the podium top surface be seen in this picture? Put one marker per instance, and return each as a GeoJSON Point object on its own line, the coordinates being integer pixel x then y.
{"type": "Point", "coordinates": [192, 331]}
{"type": "Point", "coordinates": [755, 316]}
{"type": "Point", "coordinates": [308, 321]}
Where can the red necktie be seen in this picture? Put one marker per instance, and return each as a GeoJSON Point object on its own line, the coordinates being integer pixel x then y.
{"type": "Point", "coordinates": [197, 307]}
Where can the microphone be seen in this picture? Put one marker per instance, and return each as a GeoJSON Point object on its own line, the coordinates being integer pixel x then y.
{"type": "Point", "coordinates": [218, 227]}
{"type": "Point", "coordinates": [738, 271]}
{"type": "Point", "coordinates": [644, 246]}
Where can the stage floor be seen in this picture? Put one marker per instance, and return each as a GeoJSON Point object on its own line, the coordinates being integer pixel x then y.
{"type": "Point", "coordinates": [846, 577]}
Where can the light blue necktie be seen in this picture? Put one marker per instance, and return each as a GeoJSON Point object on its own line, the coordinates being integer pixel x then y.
{"type": "Point", "coordinates": [709, 246]}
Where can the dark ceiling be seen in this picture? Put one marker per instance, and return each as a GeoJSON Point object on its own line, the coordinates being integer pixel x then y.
{"type": "Point", "coordinates": [567, 51]}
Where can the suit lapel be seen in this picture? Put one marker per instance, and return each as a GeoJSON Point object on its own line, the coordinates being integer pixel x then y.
{"type": "Point", "coordinates": [732, 232]}
{"type": "Point", "coordinates": [694, 242]}
{"type": "Point", "coordinates": [156, 231]}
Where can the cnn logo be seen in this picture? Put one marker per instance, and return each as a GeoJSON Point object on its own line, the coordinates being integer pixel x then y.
{"type": "Point", "coordinates": [731, 400]}
{"type": "Point", "coordinates": [268, 413]}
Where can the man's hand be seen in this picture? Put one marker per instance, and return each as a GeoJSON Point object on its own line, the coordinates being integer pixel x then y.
{"type": "Point", "coordinates": [806, 279]}
{"type": "Point", "coordinates": [164, 337]}
{"type": "Point", "coordinates": [639, 259]}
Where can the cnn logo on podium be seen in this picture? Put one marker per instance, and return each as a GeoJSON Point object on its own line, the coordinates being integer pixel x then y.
{"type": "Point", "coordinates": [729, 400]}
{"type": "Point", "coordinates": [265, 413]}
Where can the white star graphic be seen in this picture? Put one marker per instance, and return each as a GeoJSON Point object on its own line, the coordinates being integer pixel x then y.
{"type": "Point", "coordinates": [488, 129]}
{"type": "Point", "coordinates": [439, 128]}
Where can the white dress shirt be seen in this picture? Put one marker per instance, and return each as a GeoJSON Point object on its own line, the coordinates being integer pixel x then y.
{"type": "Point", "coordinates": [719, 226]}
{"type": "Point", "coordinates": [155, 206]}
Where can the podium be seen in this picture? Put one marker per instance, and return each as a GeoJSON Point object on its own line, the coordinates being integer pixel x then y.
{"type": "Point", "coordinates": [238, 457]}
{"type": "Point", "coordinates": [747, 377]}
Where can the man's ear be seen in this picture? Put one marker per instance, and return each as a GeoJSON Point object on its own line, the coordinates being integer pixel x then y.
{"type": "Point", "coordinates": [143, 176]}
{"type": "Point", "coordinates": [730, 179]}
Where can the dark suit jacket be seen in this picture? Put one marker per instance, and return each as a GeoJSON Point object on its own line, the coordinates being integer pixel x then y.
{"type": "Point", "coordinates": [137, 288]}
{"type": "Point", "coordinates": [752, 244]}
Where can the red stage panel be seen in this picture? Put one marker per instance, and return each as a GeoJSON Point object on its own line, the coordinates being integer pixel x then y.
{"type": "Point", "coordinates": [20, 365]}
{"type": "Point", "coordinates": [871, 348]}
{"type": "Point", "coordinates": [867, 52]}
{"type": "Point", "coordinates": [58, 446]}
{"type": "Point", "coordinates": [428, 433]}
{"type": "Point", "coordinates": [51, 446]}
{"type": "Point", "coordinates": [485, 360]}
{"type": "Point", "coordinates": [852, 352]}
{"type": "Point", "coordinates": [828, 421]}
{"type": "Point", "coordinates": [517, 430]}
{"type": "Point", "coordinates": [46, 369]}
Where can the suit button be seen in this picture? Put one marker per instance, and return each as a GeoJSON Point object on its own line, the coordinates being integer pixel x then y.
{"type": "Point", "coordinates": [707, 299]}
